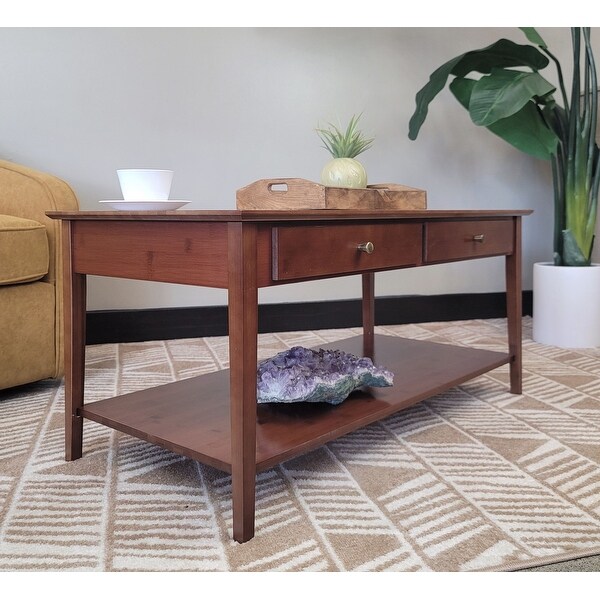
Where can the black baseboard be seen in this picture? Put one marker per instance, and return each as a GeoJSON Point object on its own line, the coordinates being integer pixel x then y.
{"type": "Point", "coordinates": [112, 326]}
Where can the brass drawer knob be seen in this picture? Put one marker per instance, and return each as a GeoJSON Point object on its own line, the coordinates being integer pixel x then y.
{"type": "Point", "coordinates": [366, 247]}
{"type": "Point", "coordinates": [479, 238]}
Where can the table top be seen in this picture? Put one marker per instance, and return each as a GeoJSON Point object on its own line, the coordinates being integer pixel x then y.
{"type": "Point", "coordinates": [280, 215]}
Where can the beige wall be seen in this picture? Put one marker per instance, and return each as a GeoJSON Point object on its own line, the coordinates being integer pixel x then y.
{"type": "Point", "coordinates": [224, 107]}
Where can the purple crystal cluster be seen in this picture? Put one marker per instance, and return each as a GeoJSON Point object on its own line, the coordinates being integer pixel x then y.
{"type": "Point", "coordinates": [304, 375]}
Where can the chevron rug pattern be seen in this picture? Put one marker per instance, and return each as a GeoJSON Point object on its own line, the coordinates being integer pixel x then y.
{"type": "Point", "coordinates": [473, 479]}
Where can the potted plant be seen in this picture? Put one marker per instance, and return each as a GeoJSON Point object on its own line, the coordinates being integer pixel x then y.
{"type": "Point", "coordinates": [513, 100]}
{"type": "Point", "coordinates": [343, 170]}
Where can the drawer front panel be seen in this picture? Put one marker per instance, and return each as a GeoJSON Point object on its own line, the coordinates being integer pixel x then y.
{"type": "Point", "coordinates": [184, 252]}
{"type": "Point", "coordinates": [456, 240]}
{"type": "Point", "coordinates": [301, 252]}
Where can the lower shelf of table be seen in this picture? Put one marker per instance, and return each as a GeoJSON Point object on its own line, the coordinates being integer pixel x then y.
{"type": "Point", "coordinates": [191, 417]}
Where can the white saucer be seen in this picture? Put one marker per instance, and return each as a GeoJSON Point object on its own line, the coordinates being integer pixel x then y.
{"type": "Point", "coordinates": [145, 204]}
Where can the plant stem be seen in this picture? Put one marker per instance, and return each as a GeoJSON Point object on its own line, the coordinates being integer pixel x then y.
{"type": "Point", "coordinates": [593, 98]}
{"type": "Point", "coordinates": [571, 187]}
{"type": "Point", "coordinates": [561, 81]}
{"type": "Point", "coordinates": [558, 178]}
{"type": "Point", "coordinates": [593, 165]}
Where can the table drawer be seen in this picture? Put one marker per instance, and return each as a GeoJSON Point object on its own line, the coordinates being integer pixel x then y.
{"type": "Point", "coordinates": [320, 250]}
{"type": "Point", "coordinates": [455, 240]}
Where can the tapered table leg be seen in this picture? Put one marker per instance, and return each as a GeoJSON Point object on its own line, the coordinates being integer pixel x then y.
{"type": "Point", "coordinates": [514, 310]}
{"type": "Point", "coordinates": [368, 313]}
{"type": "Point", "coordinates": [74, 297]}
{"type": "Point", "coordinates": [243, 329]}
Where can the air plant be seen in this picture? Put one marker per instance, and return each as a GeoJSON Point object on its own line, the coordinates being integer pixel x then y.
{"type": "Point", "coordinates": [343, 170]}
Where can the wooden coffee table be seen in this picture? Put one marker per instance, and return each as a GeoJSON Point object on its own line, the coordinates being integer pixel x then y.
{"type": "Point", "coordinates": [214, 418]}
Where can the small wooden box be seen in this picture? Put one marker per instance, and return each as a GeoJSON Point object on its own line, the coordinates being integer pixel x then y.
{"type": "Point", "coordinates": [301, 194]}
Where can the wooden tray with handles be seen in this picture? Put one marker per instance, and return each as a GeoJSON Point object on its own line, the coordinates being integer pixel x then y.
{"type": "Point", "coordinates": [299, 194]}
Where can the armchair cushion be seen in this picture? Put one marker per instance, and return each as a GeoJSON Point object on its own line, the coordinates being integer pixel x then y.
{"type": "Point", "coordinates": [24, 251]}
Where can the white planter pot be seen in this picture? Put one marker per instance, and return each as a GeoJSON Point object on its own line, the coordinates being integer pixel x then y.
{"type": "Point", "coordinates": [345, 173]}
{"type": "Point", "coordinates": [566, 305]}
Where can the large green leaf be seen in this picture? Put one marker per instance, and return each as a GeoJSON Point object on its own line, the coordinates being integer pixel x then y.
{"type": "Point", "coordinates": [526, 130]}
{"type": "Point", "coordinates": [533, 36]}
{"type": "Point", "coordinates": [437, 82]}
{"type": "Point", "coordinates": [499, 55]}
{"type": "Point", "coordinates": [502, 53]}
{"type": "Point", "coordinates": [503, 93]}
{"type": "Point", "coordinates": [462, 88]}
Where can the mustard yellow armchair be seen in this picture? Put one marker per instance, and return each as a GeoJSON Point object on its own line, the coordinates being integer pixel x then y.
{"type": "Point", "coordinates": [31, 321]}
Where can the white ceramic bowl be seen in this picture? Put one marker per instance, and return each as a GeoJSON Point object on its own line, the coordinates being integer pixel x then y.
{"type": "Point", "coordinates": [145, 184]}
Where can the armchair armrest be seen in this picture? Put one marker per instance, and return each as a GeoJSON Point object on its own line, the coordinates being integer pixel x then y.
{"type": "Point", "coordinates": [27, 193]}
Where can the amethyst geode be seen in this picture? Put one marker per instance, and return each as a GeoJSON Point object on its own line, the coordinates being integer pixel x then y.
{"type": "Point", "coordinates": [304, 375]}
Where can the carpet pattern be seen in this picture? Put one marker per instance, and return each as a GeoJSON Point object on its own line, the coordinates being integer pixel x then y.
{"type": "Point", "coordinates": [472, 479]}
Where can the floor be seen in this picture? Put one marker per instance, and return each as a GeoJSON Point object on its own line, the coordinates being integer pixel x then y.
{"type": "Point", "coordinates": [590, 563]}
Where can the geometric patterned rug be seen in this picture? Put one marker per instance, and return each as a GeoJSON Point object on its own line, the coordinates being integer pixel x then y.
{"type": "Point", "coordinates": [474, 479]}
